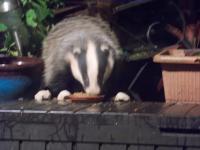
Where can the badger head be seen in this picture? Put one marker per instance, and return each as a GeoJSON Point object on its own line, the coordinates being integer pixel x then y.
{"type": "Point", "coordinates": [91, 64]}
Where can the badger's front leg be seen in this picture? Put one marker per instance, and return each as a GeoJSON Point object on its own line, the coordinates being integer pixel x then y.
{"type": "Point", "coordinates": [62, 95]}
{"type": "Point", "coordinates": [121, 96]}
{"type": "Point", "coordinates": [53, 87]}
{"type": "Point", "coordinates": [46, 94]}
{"type": "Point", "coordinates": [41, 95]}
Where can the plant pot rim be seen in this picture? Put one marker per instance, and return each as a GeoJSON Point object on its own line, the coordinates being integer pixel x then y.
{"type": "Point", "coordinates": [10, 63]}
{"type": "Point", "coordinates": [173, 55]}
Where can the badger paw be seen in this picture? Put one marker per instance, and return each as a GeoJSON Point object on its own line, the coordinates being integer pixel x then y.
{"type": "Point", "coordinates": [41, 95]}
{"type": "Point", "coordinates": [62, 95]}
{"type": "Point", "coordinates": [121, 96]}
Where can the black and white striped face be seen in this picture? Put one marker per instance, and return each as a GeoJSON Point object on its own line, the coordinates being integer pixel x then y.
{"type": "Point", "coordinates": [91, 66]}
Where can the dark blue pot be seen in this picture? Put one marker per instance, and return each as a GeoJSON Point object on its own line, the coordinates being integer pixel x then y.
{"type": "Point", "coordinates": [18, 76]}
{"type": "Point", "coordinates": [12, 86]}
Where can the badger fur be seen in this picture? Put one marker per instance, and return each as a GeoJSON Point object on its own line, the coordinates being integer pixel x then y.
{"type": "Point", "coordinates": [78, 50]}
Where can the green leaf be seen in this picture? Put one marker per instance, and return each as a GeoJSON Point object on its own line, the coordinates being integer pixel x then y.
{"type": "Point", "coordinates": [4, 49]}
{"type": "Point", "coordinates": [42, 3]}
{"type": "Point", "coordinates": [42, 31]}
{"type": "Point", "coordinates": [8, 40]}
{"type": "Point", "coordinates": [24, 2]}
{"type": "Point", "coordinates": [14, 53]}
{"type": "Point", "coordinates": [41, 10]}
{"type": "Point", "coordinates": [11, 45]}
{"type": "Point", "coordinates": [31, 18]}
{"type": "Point", "coordinates": [3, 27]}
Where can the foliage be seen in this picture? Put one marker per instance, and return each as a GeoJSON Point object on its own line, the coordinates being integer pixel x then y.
{"type": "Point", "coordinates": [8, 45]}
{"type": "Point", "coordinates": [191, 33]}
{"type": "Point", "coordinates": [37, 16]}
{"type": "Point", "coordinates": [3, 27]}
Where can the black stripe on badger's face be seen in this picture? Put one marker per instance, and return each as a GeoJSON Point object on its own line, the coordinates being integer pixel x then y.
{"type": "Point", "coordinates": [82, 64]}
{"type": "Point", "coordinates": [92, 66]}
{"type": "Point", "coordinates": [103, 55]}
{"type": "Point", "coordinates": [78, 65]}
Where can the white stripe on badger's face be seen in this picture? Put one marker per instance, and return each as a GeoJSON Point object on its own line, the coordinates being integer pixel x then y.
{"type": "Point", "coordinates": [92, 68]}
{"type": "Point", "coordinates": [74, 66]}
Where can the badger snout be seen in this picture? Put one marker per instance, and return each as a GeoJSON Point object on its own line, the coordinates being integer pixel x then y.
{"type": "Point", "coordinates": [93, 90]}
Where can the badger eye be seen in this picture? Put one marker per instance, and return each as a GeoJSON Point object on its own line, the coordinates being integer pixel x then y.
{"type": "Point", "coordinates": [104, 48]}
{"type": "Point", "coordinates": [76, 51]}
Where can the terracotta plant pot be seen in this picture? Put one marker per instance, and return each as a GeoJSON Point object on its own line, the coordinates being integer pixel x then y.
{"type": "Point", "coordinates": [181, 74]}
{"type": "Point", "coordinates": [19, 76]}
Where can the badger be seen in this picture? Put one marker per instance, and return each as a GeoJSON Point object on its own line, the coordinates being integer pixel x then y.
{"type": "Point", "coordinates": [81, 51]}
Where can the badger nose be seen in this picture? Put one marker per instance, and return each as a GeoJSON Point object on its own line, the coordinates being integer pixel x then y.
{"type": "Point", "coordinates": [92, 90]}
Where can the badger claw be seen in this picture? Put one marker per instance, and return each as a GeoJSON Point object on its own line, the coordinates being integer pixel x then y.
{"type": "Point", "coordinates": [62, 95]}
{"type": "Point", "coordinates": [121, 96]}
{"type": "Point", "coordinates": [41, 95]}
